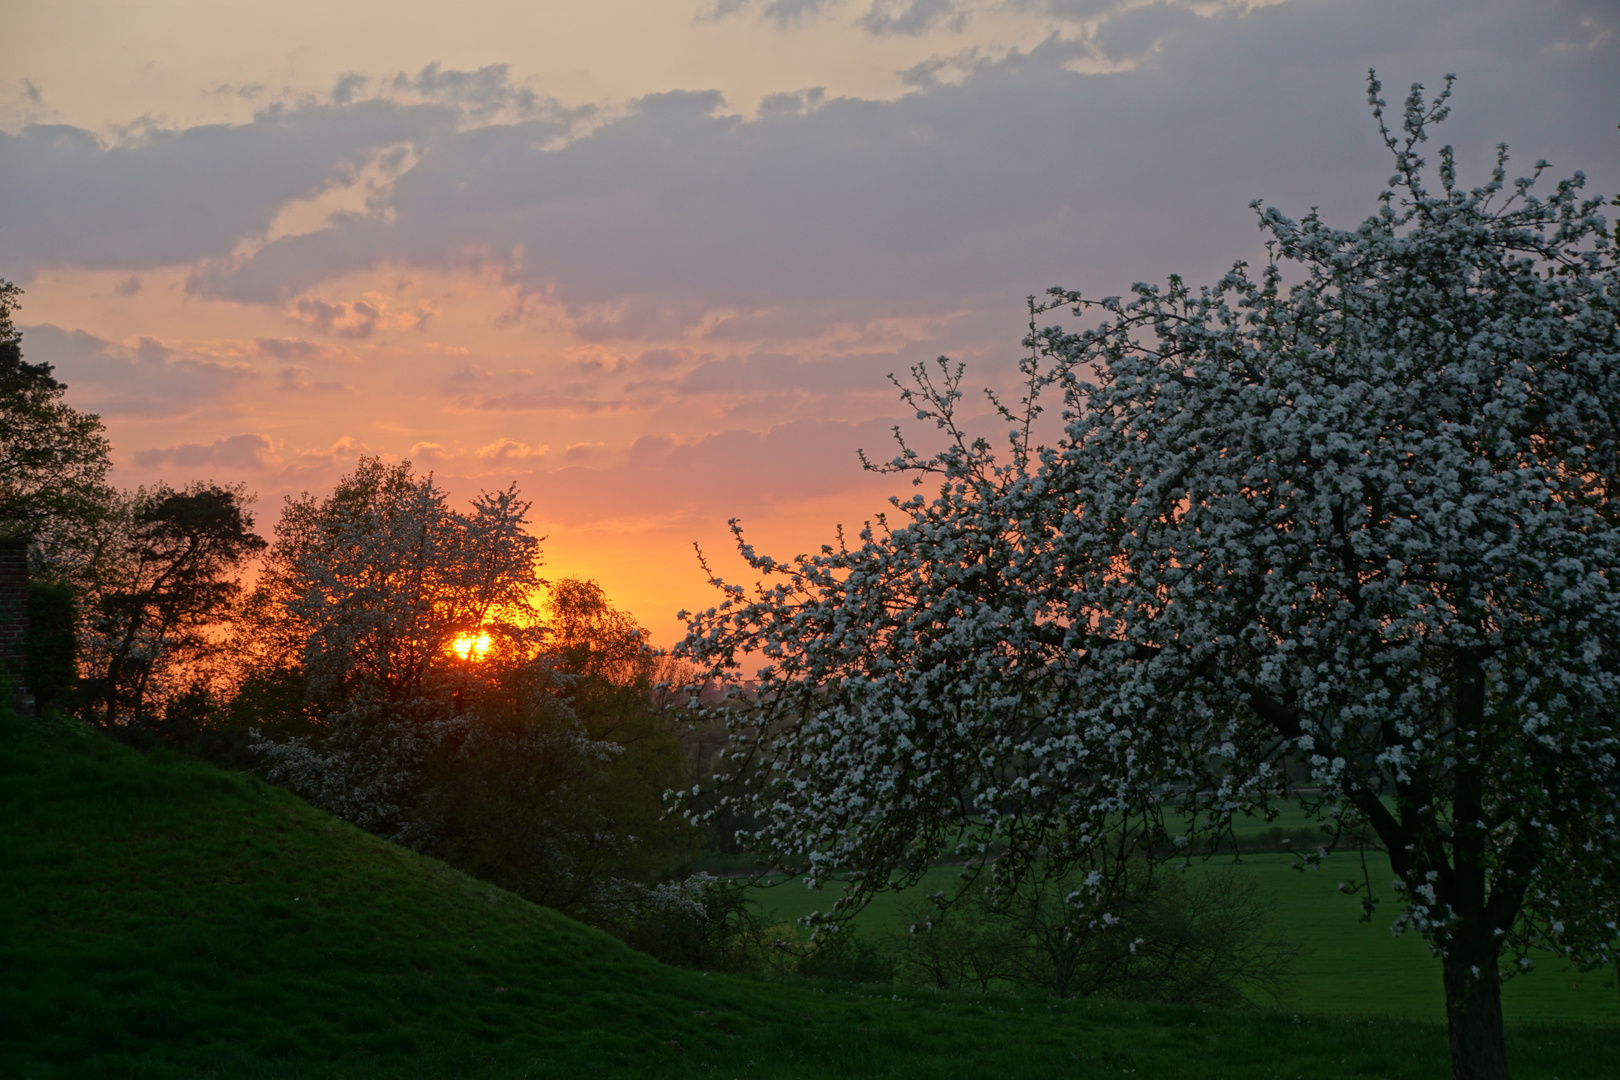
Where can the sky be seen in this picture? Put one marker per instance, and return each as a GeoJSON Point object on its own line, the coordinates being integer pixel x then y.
{"type": "Point", "coordinates": [654, 261]}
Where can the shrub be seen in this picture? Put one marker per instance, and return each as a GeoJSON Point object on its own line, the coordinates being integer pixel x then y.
{"type": "Point", "coordinates": [704, 922]}
{"type": "Point", "coordinates": [1166, 937]}
{"type": "Point", "coordinates": [52, 665]}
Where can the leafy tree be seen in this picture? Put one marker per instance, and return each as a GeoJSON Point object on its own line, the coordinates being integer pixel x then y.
{"type": "Point", "coordinates": [362, 600]}
{"type": "Point", "coordinates": [178, 578]}
{"type": "Point", "coordinates": [611, 678]}
{"type": "Point", "coordinates": [566, 807]}
{"type": "Point", "coordinates": [1362, 525]}
{"type": "Point", "coordinates": [448, 715]}
{"type": "Point", "coordinates": [374, 583]}
{"type": "Point", "coordinates": [53, 458]}
{"type": "Point", "coordinates": [594, 640]}
{"type": "Point", "coordinates": [53, 469]}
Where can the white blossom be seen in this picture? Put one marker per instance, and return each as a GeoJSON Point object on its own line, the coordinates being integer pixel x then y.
{"type": "Point", "coordinates": [1356, 512]}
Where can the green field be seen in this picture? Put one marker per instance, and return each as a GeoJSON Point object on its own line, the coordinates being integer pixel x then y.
{"type": "Point", "coordinates": [160, 918]}
{"type": "Point", "coordinates": [1345, 967]}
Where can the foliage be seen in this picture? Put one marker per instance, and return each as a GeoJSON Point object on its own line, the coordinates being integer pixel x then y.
{"type": "Point", "coordinates": [363, 596]}
{"type": "Point", "coordinates": [175, 581]}
{"type": "Point", "coordinates": [536, 763]}
{"type": "Point", "coordinates": [705, 923]}
{"type": "Point", "coordinates": [1204, 941]}
{"type": "Point", "coordinates": [848, 957]}
{"type": "Point", "coordinates": [373, 584]}
{"type": "Point", "coordinates": [517, 798]}
{"type": "Point", "coordinates": [1364, 523]}
{"type": "Point", "coordinates": [53, 489]}
{"type": "Point", "coordinates": [500, 787]}
{"type": "Point", "coordinates": [53, 458]}
{"type": "Point", "coordinates": [53, 643]}
{"type": "Point", "coordinates": [593, 640]}
{"type": "Point", "coordinates": [610, 679]}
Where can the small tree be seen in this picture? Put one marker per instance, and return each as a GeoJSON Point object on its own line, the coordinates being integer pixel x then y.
{"type": "Point", "coordinates": [447, 714]}
{"type": "Point", "coordinates": [1365, 524]}
{"type": "Point", "coordinates": [176, 577]}
{"type": "Point", "coordinates": [375, 583]}
{"type": "Point", "coordinates": [364, 596]}
{"type": "Point", "coordinates": [610, 675]}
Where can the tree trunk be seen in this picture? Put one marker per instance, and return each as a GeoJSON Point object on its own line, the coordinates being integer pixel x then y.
{"type": "Point", "coordinates": [1474, 1012]}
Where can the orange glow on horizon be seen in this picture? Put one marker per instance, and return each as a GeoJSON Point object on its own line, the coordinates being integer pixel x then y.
{"type": "Point", "coordinates": [471, 646]}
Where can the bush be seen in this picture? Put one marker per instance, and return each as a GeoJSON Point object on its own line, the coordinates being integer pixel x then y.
{"type": "Point", "coordinates": [52, 664]}
{"type": "Point", "coordinates": [705, 923]}
{"type": "Point", "coordinates": [1166, 937]}
{"type": "Point", "coordinates": [847, 957]}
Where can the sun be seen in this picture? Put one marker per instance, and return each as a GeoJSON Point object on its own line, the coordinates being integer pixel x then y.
{"type": "Point", "coordinates": [470, 646]}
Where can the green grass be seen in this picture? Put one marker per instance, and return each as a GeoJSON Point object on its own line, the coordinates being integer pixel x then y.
{"type": "Point", "coordinates": [160, 918]}
{"type": "Point", "coordinates": [1345, 967]}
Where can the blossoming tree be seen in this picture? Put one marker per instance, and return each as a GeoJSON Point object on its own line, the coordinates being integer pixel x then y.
{"type": "Point", "coordinates": [446, 710]}
{"type": "Point", "coordinates": [383, 577]}
{"type": "Point", "coordinates": [1344, 532]}
{"type": "Point", "coordinates": [366, 594]}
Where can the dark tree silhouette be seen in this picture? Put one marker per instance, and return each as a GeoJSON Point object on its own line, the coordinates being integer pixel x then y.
{"type": "Point", "coordinates": [183, 557]}
{"type": "Point", "coordinates": [53, 458]}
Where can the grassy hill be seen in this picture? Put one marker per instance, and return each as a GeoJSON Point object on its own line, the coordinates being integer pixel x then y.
{"type": "Point", "coordinates": [160, 918]}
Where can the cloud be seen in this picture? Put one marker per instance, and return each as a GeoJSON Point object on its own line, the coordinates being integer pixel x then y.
{"type": "Point", "coordinates": [350, 319]}
{"type": "Point", "coordinates": [1016, 173]}
{"type": "Point", "coordinates": [661, 359]}
{"type": "Point", "coordinates": [574, 398]}
{"type": "Point", "coordinates": [910, 18]}
{"type": "Point", "coordinates": [1140, 30]}
{"type": "Point", "coordinates": [358, 318]}
{"type": "Point", "coordinates": [782, 12]}
{"type": "Point", "coordinates": [791, 102]}
{"type": "Point", "coordinates": [297, 349]}
{"type": "Point", "coordinates": [318, 466]}
{"type": "Point", "coordinates": [170, 197]}
{"type": "Point", "coordinates": [582, 452]}
{"type": "Point", "coordinates": [482, 93]}
{"type": "Point", "coordinates": [1071, 9]}
{"type": "Point", "coordinates": [769, 372]}
{"type": "Point", "coordinates": [667, 480]}
{"type": "Point", "coordinates": [1023, 175]}
{"type": "Point", "coordinates": [147, 379]}
{"type": "Point", "coordinates": [473, 388]}
{"type": "Point", "coordinates": [128, 287]}
{"type": "Point", "coordinates": [427, 454]}
{"type": "Point", "coordinates": [503, 451]}
{"type": "Point", "coordinates": [239, 452]}
{"type": "Point", "coordinates": [349, 87]}
{"type": "Point", "coordinates": [291, 379]}
{"type": "Point", "coordinates": [244, 91]}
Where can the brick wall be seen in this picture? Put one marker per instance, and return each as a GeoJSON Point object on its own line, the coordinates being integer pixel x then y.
{"type": "Point", "coordinates": [14, 620]}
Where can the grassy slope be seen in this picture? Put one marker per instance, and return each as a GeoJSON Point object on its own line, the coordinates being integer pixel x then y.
{"type": "Point", "coordinates": [159, 918]}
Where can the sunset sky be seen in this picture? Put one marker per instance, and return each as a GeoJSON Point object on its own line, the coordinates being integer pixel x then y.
{"type": "Point", "coordinates": [655, 259]}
